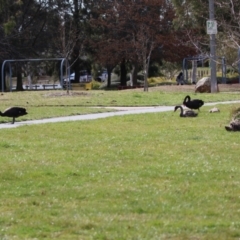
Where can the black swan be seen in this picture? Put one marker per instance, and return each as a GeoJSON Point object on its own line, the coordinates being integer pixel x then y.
{"type": "Point", "coordinates": [192, 104]}
{"type": "Point", "coordinates": [186, 113]}
{"type": "Point", "coordinates": [13, 112]}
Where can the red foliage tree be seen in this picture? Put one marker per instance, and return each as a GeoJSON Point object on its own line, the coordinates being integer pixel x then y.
{"type": "Point", "coordinates": [135, 30]}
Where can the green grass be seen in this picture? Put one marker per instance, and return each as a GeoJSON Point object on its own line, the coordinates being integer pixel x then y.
{"type": "Point", "coordinates": [45, 104]}
{"type": "Point", "coordinates": [144, 176]}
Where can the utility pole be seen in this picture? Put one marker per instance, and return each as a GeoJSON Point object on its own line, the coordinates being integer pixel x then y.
{"type": "Point", "coordinates": [212, 51]}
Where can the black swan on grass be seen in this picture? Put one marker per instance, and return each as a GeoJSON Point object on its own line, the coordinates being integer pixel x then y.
{"type": "Point", "coordinates": [13, 112]}
{"type": "Point", "coordinates": [193, 104]}
{"type": "Point", "coordinates": [186, 113]}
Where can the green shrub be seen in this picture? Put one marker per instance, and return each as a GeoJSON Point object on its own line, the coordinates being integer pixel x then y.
{"type": "Point", "coordinates": [155, 81]}
{"type": "Point", "coordinates": [96, 85]}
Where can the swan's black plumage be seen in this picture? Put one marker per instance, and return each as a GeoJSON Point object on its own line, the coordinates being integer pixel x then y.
{"type": "Point", "coordinates": [13, 112]}
{"type": "Point", "coordinates": [186, 113]}
{"type": "Point", "coordinates": [193, 104]}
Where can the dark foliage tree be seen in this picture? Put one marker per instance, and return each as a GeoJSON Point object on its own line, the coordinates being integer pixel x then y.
{"type": "Point", "coordinates": [22, 27]}
{"type": "Point", "coordinates": [137, 30]}
{"type": "Point", "coordinates": [193, 14]}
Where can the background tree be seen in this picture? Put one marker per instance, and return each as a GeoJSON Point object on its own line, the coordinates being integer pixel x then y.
{"type": "Point", "coordinates": [228, 18]}
{"type": "Point", "coordinates": [22, 25]}
{"type": "Point", "coordinates": [136, 33]}
{"type": "Point", "coordinates": [137, 29]}
{"type": "Point", "coordinates": [192, 16]}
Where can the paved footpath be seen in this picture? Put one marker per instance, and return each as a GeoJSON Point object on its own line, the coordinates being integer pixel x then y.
{"type": "Point", "coordinates": [120, 111]}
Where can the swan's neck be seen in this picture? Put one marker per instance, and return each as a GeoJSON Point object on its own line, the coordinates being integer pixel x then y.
{"type": "Point", "coordinates": [187, 99]}
{"type": "Point", "coordinates": [181, 108]}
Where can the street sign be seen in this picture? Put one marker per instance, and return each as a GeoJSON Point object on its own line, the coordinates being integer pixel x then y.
{"type": "Point", "coordinates": [211, 27]}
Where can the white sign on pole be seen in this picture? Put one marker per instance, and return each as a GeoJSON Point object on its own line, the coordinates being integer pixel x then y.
{"type": "Point", "coordinates": [211, 27]}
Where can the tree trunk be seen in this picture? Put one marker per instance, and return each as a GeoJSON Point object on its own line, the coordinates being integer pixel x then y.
{"type": "Point", "coordinates": [76, 63]}
{"type": "Point", "coordinates": [1, 77]}
{"type": "Point", "coordinates": [194, 72]}
{"type": "Point", "coordinates": [123, 73]}
{"type": "Point", "coordinates": [77, 49]}
{"type": "Point", "coordinates": [146, 62]}
{"type": "Point", "coordinates": [145, 73]}
{"type": "Point", "coordinates": [109, 71]}
{"type": "Point", "coordinates": [19, 86]}
{"type": "Point", "coordinates": [134, 73]}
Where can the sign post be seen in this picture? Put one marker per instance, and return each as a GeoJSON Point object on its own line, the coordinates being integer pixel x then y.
{"type": "Point", "coordinates": [211, 27]}
{"type": "Point", "coordinates": [212, 30]}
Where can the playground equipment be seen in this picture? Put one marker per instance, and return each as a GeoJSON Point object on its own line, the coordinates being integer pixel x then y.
{"type": "Point", "coordinates": [185, 66]}
{"type": "Point", "coordinates": [8, 63]}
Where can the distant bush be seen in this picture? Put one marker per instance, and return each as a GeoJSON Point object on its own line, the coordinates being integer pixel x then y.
{"type": "Point", "coordinates": [155, 81]}
{"type": "Point", "coordinates": [96, 85]}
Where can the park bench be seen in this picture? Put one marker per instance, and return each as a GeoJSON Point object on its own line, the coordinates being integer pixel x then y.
{"type": "Point", "coordinates": [34, 86]}
{"type": "Point", "coordinates": [49, 85]}
{"type": "Point", "coordinates": [129, 87]}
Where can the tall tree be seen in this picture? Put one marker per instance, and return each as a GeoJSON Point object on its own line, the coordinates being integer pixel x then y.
{"type": "Point", "coordinates": [20, 35]}
{"type": "Point", "coordinates": [138, 29]}
{"type": "Point", "coordinates": [192, 16]}
{"type": "Point", "coordinates": [228, 18]}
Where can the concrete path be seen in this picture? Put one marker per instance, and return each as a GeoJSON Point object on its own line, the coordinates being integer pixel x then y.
{"type": "Point", "coordinates": [120, 111]}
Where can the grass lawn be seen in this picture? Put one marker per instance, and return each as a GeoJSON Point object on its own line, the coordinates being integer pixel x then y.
{"type": "Point", "coordinates": [144, 176]}
{"type": "Point", "coordinates": [46, 104]}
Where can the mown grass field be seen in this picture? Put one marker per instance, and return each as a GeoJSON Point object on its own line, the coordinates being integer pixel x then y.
{"type": "Point", "coordinates": [144, 176]}
{"type": "Point", "coordinates": [45, 104]}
